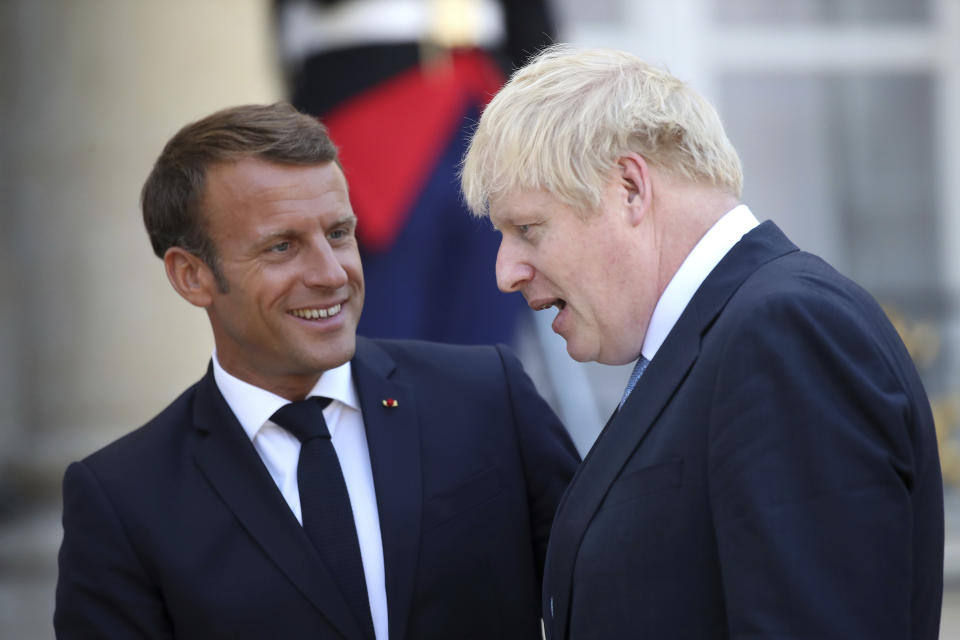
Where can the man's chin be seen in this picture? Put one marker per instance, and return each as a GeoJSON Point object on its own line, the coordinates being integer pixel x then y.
{"type": "Point", "coordinates": [338, 358]}
{"type": "Point", "coordinates": [318, 358]}
{"type": "Point", "coordinates": [578, 353]}
{"type": "Point", "coordinates": [594, 353]}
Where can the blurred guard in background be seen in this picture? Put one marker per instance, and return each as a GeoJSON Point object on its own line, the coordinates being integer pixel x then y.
{"type": "Point", "coordinates": [399, 83]}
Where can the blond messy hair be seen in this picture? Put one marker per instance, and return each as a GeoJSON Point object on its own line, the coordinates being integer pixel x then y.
{"type": "Point", "coordinates": [561, 123]}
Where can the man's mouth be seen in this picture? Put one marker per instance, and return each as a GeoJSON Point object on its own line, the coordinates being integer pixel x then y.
{"type": "Point", "coordinates": [559, 303]}
{"type": "Point", "coordinates": [316, 313]}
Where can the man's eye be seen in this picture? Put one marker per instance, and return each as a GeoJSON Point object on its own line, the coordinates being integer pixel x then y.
{"type": "Point", "coordinates": [523, 230]}
{"type": "Point", "coordinates": [280, 247]}
{"type": "Point", "coordinates": [339, 234]}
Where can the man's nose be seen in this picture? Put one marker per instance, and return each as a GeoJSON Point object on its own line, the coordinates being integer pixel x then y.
{"type": "Point", "coordinates": [323, 268]}
{"type": "Point", "coordinates": [512, 272]}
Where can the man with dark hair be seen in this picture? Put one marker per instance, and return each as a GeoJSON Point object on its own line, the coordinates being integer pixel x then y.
{"type": "Point", "coordinates": [313, 484]}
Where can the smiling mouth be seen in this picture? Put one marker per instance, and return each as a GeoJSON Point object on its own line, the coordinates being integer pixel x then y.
{"type": "Point", "coordinates": [316, 313]}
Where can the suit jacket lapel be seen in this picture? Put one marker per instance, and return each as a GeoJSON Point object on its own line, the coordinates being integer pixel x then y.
{"type": "Point", "coordinates": [227, 458]}
{"type": "Point", "coordinates": [393, 438]}
{"type": "Point", "coordinates": [609, 453]}
{"type": "Point", "coordinates": [627, 428]}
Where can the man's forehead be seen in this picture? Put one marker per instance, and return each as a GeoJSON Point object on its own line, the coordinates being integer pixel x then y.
{"type": "Point", "coordinates": [505, 208]}
{"type": "Point", "coordinates": [237, 187]}
{"type": "Point", "coordinates": [262, 196]}
{"type": "Point", "coordinates": [250, 173]}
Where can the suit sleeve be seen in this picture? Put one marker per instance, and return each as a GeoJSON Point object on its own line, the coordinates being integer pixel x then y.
{"type": "Point", "coordinates": [103, 590]}
{"type": "Point", "coordinates": [549, 456]}
{"type": "Point", "coordinates": [811, 469]}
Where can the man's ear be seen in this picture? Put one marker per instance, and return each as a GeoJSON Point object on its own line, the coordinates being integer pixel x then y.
{"type": "Point", "coordinates": [635, 179]}
{"type": "Point", "coordinates": [190, 276]}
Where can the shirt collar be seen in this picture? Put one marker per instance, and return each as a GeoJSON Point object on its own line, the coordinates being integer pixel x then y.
{"type": "Point", "coordinates": [253, 406]}
{"type": "Point", "coordinates": [707, 253]}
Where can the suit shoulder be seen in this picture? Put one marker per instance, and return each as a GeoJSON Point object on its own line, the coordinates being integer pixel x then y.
{"type": "Point", "coordinates": [800, 298]}
{"type": "Point", "coordinates": [438, 354]}
{"type": "Point", "coordinates": [143, 443]}
{"type": "Point", "coordinates": [472, 365]}
{"type": "Point", "coordinates": [802, 280]}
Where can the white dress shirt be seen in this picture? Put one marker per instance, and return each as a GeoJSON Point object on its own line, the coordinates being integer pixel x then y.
{"type": "Point", "coordinates": [280, 452]}
{"type": "Point", "coordinates": [706, 255]}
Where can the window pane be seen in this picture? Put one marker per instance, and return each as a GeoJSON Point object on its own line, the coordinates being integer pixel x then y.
{"type": "Point", "coordinates": [822, 11]}
{"type": "Point", "coordinates": [569, 12]}
{"type": "Point", "coordinates": [846, 165]}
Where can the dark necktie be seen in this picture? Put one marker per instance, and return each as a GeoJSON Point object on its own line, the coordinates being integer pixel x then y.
{"type": "Point", "coordinates": [325, 504]}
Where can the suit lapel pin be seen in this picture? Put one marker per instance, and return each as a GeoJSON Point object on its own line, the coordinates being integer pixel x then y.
{"type": "Point", "coordinates": [390, 403]}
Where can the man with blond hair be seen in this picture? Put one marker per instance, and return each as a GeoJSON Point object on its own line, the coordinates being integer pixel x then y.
{"type": "Point", "coordinates": [772, 469]}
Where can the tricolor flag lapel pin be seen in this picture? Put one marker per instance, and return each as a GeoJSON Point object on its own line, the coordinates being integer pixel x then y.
{"type": "Point", "coordinates": [390, 403]}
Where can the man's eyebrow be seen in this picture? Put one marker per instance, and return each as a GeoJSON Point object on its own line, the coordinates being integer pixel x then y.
{"type": "Point", "coordinates": [276, 235]}
{"type": "Point", "coordinates": [350, 219]}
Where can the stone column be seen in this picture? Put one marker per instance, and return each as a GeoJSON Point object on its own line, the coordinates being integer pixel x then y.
{"type": "Point", "coordinates": [93, 339]}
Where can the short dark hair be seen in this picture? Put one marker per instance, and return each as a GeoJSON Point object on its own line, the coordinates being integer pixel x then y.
{"type": "Point", "coordinates": [173, 193]}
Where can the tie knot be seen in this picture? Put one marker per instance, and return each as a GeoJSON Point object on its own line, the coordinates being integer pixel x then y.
{"type": "Point", "coordinates": [304, 419]}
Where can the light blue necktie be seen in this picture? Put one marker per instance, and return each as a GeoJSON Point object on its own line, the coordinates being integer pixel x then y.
{"type": "Point", "coordinates": [638, 370]}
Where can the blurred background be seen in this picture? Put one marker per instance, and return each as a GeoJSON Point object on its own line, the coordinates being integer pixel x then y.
{"type": "Point", "coordinates": [846, 114]}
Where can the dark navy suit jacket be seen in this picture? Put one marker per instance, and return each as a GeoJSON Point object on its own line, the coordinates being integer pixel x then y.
{"type": "Point", "coordinates": [177, 529]}
{"type": "Point", "coordinates": [774, 474]}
